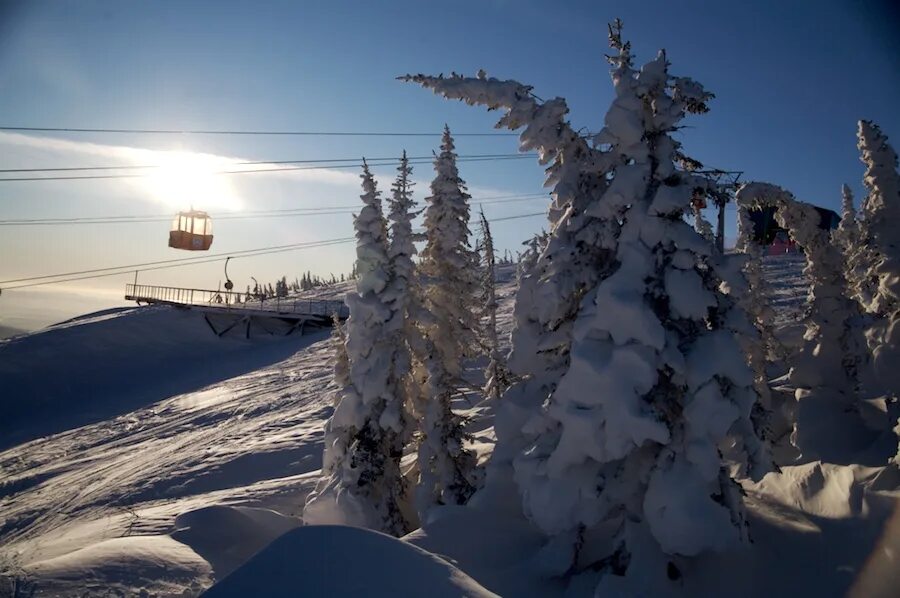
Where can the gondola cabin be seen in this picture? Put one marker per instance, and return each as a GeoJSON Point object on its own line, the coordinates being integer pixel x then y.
{"type": "Point", "coordinates": [191, 231]}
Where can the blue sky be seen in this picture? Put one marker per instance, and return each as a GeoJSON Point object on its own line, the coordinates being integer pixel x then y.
{"type": "Point", "coordinates": [791, 79]}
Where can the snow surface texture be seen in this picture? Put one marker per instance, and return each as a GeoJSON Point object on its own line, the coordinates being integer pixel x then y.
{"type": "Point", "coordinates": [170, 496]}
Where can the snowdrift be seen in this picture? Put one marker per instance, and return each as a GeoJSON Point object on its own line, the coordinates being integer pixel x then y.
{"type": "Point", "coordinates": [345, 561]}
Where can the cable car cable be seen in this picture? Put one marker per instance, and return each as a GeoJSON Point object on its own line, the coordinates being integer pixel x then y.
{"type": "Point", "coordinates": [248, 171]}
{"type": "Point", "coordinates": [254, 163]}
{"type": "Point", "coordinates": [221, 132]}
{"type": "Point", "coordinates": [287, 212]}
{"type": "Point", "coordinates": [163, 264]}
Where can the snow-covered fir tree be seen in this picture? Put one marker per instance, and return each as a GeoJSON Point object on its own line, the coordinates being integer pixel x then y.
{"type": "Point", "coordinates": [404, 292]}
{"type": "Point", "coordinates": [882, 223]}
{"type": "Point", "coordinates": [772, 417]}
{"type": "Point", "coordinates": [496, 374]}
{"type": "Point", "coordinates": [832, 362]}
{"type": "Point", "coordinates": [882, 216]}
{"type": "Point", "coordinates": [447, 469]}
{"type": "Point", "coordinates": [701, 224]}
{"type": "Point", "coordinates": [362, 483]}
{"type": "Point", "coordinates": [631, 374]}
{"type": "Point", "coordinates": [847, 232]}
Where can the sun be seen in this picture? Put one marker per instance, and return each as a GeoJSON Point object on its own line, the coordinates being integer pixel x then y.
{"type": "Point", "coordinates": [188, 179]}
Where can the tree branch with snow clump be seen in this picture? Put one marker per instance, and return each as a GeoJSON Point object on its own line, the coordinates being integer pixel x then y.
{"type": "Point", "coordinates": [623, 340]}
{"type": "Point", "coordinates": [362, 483]}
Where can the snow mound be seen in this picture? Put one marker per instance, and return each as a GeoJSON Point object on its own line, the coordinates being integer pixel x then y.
{"type": "Point", "coordinates": [165, 566]}
{"type": "Point", "coordinates": [825, 489]}
{"type": "Point", "coordinates": [227, 536]}
{"type": "Point", "coordinates": [345, 561]}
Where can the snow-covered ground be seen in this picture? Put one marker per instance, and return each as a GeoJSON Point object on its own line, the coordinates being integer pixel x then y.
{"type": "Point", "coordinates": [176, 456]}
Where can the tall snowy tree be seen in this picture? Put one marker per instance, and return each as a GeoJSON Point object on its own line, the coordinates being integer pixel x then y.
{"type": "Point", "coordinates": [496, 374]}
{"type": "Point", "coordinates": [632, 376]}
{"type": "Point", "coordinates": [447, 469]}
{"type": "Point", "coordinates": [882, 223]}
{"type": "Point", "coordinates": [362, 483]}
{"type": "Point", "coordinates": [828, 370]}
{"type": "Point", "coordinates": [403, 290]}
{"type": "Point", "coordinates": [772, 418]}
{"type": "Point", "coordinates": [882, 217]}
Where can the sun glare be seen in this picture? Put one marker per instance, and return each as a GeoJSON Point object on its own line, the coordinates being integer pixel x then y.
{"type": "Point", "coordinates": [187, 179]}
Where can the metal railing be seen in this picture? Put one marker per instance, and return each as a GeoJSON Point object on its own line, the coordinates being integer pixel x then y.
{"type": "Point", "coordinates": [233, 300]}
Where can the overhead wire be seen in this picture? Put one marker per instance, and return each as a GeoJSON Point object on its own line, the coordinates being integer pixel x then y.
{"type": "Point", "coordinates": [498, 158]}
{"type": "Point", "coordinates": [251, 132]}
{"type": "Point", "coordinates": [189, 261]}
{"type": "Point", "coordinates": [391, 159]}
{"type": "Point", "coordinates": [287, 212]}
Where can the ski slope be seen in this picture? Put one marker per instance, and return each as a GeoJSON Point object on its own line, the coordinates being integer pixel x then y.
{"type": "Point", "coordinates": [176, 456]}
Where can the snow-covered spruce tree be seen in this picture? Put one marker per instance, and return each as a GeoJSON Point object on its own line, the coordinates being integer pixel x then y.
{"type": "Point", "coordinates": [831, 363]}
{"type": "Point", "coordinates": [447, 469]}
{"type": "Point", "coordinates": [882, 221]}
{"type": "Point", "coordinates": [773, 418]}
{"type": "Point", "coordinates": [404, 291]}
{"type": "Point", "coordinates": [362, 483]}
{"type": "Point", "coordinates": [882, 217]}
{"type": "Point", "coordinates": [847, 233]}
{"type": "Point", "coordinates": [496, 374]}
{"type": "Point", "coordinates": [528, 258]}
{"type": "Point", "coordinates": [631, 375]}
{"type": "Point", "coordinates": [701, 224]}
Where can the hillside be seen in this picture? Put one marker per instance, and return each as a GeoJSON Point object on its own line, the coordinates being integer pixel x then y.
{"type": "Point", "coordinates": [176, 456]}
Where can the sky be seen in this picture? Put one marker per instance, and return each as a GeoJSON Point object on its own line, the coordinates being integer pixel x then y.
{"type": "Point", "coordinates": [791, 80]}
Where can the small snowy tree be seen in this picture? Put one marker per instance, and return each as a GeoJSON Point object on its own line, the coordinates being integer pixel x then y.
{"type": "Point", "coordinates": [447, 469]}
{"type": "Point", "coordinates": [496, 374]}
{"type": "Point", "coordinates": [846, 235]}
{"type": "Point", "coordinates": [362, 483]}
{"type": "Point", "coordinates": [631, 375]}
{"type": "Point", "coordinates": [701, 224]}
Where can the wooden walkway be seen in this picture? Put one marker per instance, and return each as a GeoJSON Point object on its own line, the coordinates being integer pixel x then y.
{"type": "Point", "coordinates": [224, 311]}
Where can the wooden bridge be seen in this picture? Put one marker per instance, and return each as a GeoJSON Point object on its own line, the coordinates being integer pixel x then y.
{"type": "Point", "coordinates": [224, 311]}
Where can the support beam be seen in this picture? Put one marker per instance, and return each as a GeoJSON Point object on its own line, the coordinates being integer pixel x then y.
{"type": "Point", "coordinates": [211, 327]}
{"type": "Point", "coordinates": [720, 226]}
{"type": "Point", "coordinates": [230, 326]}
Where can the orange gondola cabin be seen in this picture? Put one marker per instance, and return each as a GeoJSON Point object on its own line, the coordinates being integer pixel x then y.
{"type": "Point", "coordinates": [191, 231]}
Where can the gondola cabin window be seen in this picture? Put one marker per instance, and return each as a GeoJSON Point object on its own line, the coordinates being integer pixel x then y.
{"type": "Point", "coordinates": [191, 231]}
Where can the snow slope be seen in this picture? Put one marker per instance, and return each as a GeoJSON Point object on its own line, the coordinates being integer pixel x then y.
{"type": "Point", "coordinates": [325, 560]}
{"type": "Point", "coordinates": [180, 455]}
